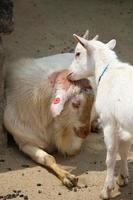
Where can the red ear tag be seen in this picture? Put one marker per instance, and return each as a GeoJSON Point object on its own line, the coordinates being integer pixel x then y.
{"type": "Point", "coordinates": [56, 100]}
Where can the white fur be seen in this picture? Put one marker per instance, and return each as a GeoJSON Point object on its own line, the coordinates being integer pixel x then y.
{"type": "Point", "coordinates": [114, 101]}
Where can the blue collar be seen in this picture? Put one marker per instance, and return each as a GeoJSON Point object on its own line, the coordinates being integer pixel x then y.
{"type": "Point", "coordinates": [105, 69]}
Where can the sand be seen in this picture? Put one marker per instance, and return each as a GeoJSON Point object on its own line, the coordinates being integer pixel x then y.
{"type": "Point", "coordinates": [45, 27]}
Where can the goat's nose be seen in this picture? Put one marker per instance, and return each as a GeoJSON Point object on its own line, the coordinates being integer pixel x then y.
{"type": "Point", "coordinates": [81, 132]}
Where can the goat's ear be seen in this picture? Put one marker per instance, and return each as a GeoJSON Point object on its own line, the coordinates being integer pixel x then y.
{"type": "Point", "coordinates": [96, 37]}
{"type": "Point", "coordinates": [111, 44]}
{"type": "Point", "coordinates": [81, 40]}
{"type": "Point", "coordinates": [86, 35]}
{"type": "Point", "coordinates": [84, 43]}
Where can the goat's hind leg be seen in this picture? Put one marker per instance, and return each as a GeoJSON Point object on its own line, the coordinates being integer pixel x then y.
{"type": "Point", "coordinates": [124, 147]}
{"type": "Point", "coordinates": [111, 142]}
{"type": "Point", "coordinates": [43, 158]}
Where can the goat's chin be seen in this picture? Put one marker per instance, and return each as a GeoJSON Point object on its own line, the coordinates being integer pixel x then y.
{"type": "Point", "coordinates": [72, 152]}
{"type": "Point", "coordinates": [70, 146]}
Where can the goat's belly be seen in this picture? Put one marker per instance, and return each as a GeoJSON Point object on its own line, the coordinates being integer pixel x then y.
{"type": "Point", "coordinates": [116, 105]}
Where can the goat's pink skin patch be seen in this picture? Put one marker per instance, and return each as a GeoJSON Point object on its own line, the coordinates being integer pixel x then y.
{"type": "Point", "coordinates": [56, 100]}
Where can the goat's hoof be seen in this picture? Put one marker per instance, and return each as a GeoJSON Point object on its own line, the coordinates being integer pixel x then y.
{"type": "Point", "coordinates": [122, 181]}
{"type": "Point", "coordinates": [70, 180]}
{"type": "Point", "coordinates": [106, 193]}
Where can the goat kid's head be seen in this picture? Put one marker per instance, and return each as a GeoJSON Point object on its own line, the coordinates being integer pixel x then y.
{"type": "Point", "coordinates": [86, 53]}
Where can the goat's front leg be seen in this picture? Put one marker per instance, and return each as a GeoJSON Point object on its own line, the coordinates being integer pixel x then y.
{"type": "Point", "coordinates": [111, 142]}
{"type": "Point", "coordinates": [43, 158]}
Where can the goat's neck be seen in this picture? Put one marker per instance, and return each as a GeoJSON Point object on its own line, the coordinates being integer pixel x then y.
{"type": "Point", "coordinates": [101, 64]}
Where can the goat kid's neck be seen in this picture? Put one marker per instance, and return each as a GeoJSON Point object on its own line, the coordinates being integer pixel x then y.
{"type": "Point", "coordinates": [100, 65]}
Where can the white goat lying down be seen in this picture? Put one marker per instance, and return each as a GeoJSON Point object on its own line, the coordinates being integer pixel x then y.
{"type": "Point", "coordinates": [30, 87]}
{"type": "Point", "coordinates": [114, 101]}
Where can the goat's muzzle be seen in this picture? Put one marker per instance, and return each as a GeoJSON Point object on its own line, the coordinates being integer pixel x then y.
{"type": "Point", "coordinates": [82, 131]}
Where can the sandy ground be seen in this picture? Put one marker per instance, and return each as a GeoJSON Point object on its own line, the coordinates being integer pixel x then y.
{"type": "Point", "coordinates": [45, 27]}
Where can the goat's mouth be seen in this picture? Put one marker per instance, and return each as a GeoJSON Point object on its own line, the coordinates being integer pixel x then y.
{"type": "Point", "coordinates": [82, 83]}
{"type": "Point", "coordinates": [74, 76]}
{"type": "Point", "coordinates": [70, 77]}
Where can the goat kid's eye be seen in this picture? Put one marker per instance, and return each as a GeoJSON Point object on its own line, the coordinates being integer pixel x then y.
{"type": "Point", "coordinates": [77, 54]}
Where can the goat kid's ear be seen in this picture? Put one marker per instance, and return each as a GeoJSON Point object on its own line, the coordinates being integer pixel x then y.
{"type": "Point", "coordinates": [81, 40]}
{"type": "Point", "coordinates": [111, 44]}
{"type": "Point", "coordinates": [84, 43]}
{"type": "Point", "coordinates": [86, 35]}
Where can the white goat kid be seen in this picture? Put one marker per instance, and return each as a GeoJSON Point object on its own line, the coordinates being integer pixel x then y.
{"type": "Point", "coordinates": [114, 101]}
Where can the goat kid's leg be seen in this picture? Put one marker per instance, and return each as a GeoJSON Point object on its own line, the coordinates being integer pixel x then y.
{"type": "Point", "coordinates": [124, 147]}
{"type": "Point", "coordinates": [111, 142]}
{"type": "Point", "coordinates": [43, 158]}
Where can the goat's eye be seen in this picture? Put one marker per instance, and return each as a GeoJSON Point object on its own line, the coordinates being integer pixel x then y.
{"type": "Point", "coordinates": [77, 54]}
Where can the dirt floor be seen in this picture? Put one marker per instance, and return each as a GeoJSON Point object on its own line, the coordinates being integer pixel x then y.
{"type": "Point", "coordinates": [45, 27]}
